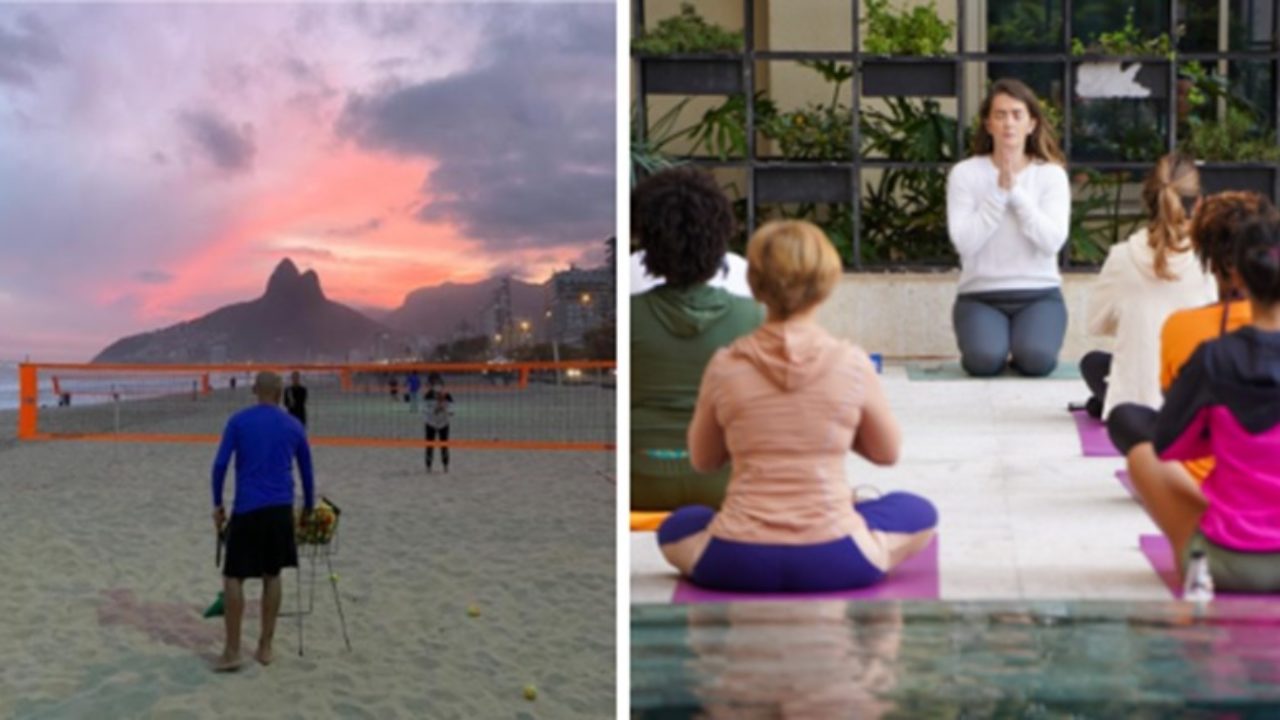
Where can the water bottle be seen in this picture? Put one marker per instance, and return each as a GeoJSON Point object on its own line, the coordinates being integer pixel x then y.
{"type": "Point", "coordinates": [1198, 585]}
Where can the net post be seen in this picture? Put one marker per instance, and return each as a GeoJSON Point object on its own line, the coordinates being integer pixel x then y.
{"type": "Point", "coordinates": [345, 379]}
{"type": "Point", "coordinates": [206, 388]}
{"type": "Point", "coordinates": [524, 378]}
{"type": "Point", "coordinates": [28, 397]}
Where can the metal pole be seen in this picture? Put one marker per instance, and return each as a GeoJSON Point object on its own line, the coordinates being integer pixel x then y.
{"type": "Point", "coordinates": [856, 109]}
{"type": "Point", "coordinates": [749, 88]}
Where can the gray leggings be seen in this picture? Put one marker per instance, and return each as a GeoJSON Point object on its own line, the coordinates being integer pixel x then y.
{"type": "Point", "coordinates": [1027, 324]}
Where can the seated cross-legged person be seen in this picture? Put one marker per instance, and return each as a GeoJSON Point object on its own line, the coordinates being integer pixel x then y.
{"type": "Point", "coordinates": [783, 406]}
{"type": "Point", "coordinates": [684, 222]}
{"type": "Point", "coordinates": [1212, 236]}
{"type": "Point", "coordinates": [1152, 274]}
{"type": "Point", "coordinates": [1224, 403]}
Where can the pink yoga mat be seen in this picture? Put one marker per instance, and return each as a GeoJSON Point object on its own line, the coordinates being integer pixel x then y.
{"type": "Point", "coordinates": [1127, 482]}
{"type": "Point", "coordinates": [915, 579]}
{"type": "Point", "coordinates": [1093, 436]}
{"type": "Point", "coordinates": [1160, 554]}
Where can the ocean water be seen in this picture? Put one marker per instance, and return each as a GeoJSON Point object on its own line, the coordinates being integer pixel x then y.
{"type": "Point", "coordinates": [8, 386]}
{"type": "Point", "coordinates": [88, 390]}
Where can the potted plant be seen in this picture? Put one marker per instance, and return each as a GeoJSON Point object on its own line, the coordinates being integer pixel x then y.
{"type": "Point", "coordinates": [1232, 152]}
{"type": "Point", "coordinates": [1116, 82]}
{"type": "Point", "coordinates": [1148, 76]}
{"type": "Point", "coordinates": [909, 42]}
{"type": "Point", "coordinates": [817, 143]}
{"type": "Point", "coordinates": [903, 213]}
{"type": "Point", "coordinates": [686, 55]}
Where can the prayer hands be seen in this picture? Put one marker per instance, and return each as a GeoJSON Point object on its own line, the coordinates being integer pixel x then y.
{"type": "Point", "coordinates": [1006, 166]}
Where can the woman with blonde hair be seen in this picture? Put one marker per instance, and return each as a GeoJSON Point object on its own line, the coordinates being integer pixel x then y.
{"type": "Point", "coordinates": [1008, 215]}
{"type": "Point", "coordinates": [1145, 279]}
{"type": "Point", "coordinates": [783, 406]}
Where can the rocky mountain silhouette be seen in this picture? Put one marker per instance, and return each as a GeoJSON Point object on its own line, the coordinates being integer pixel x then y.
{"type": "Point", "coordinates": [292, 322]}
{"type": "Point", "coordinates": [442, 311]}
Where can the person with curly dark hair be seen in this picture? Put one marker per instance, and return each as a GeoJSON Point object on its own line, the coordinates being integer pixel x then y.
{"type": "Point", "coordinates": [683, 222]}
{"type": "Point", "coordinates": [1225, 404]}
{"type": "Point", "coordinates": [1215, 228]}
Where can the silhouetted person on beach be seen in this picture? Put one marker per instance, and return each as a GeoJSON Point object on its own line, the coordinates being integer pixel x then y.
{"type": "Point", "coordinates": [260, 538]}
{"type": "Point", "coordinates": [436, 415]}
{"type": "Point", "coordinates": [295, 398]}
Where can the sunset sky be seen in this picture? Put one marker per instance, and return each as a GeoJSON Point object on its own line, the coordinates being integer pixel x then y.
{"type": "Point", "coordinates": [158, 160]}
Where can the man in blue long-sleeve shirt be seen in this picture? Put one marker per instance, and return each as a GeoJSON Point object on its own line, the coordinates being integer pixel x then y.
{"type": "Point", "coordinates": [265, 441]}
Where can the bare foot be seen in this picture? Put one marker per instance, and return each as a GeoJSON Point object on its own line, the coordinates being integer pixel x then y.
{"type": "Point", "coordinates": [228, 663]}
{"type": "Point", "coordinates": [264, 655]}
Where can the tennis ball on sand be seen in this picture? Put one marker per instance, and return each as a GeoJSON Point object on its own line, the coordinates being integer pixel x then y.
{"type": "Point", "coordinates": [473, 610]}
{"type": "Point", "coordinates": [530, 692]}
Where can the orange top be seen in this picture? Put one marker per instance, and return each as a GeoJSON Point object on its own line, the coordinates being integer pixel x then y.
{"type": "Point", "coordinates": [1182, 334]}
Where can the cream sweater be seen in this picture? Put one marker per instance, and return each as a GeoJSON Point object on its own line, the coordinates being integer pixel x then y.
{"type": "Point", "coordinates": [1008, 240]}
{"type": "Point", "coordinates": [1129, 302]}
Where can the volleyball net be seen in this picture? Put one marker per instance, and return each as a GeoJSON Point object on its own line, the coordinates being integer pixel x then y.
{"type": "Point", "coordinates": [512, 406]}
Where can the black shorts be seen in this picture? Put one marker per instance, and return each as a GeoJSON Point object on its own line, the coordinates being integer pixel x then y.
{"type": "Point", "coordinates": [260, 542]}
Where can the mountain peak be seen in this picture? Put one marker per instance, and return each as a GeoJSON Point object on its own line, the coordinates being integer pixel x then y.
{"type": "Point", "coordinates": [283, 277]}
{"type": "Point", "coordinates": [287, 284]}
{"type": "Point", "coordinates": [309, 285]}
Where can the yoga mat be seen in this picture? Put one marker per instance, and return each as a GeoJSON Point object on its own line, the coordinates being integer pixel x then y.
{"type": "Point", "coordinates": [1160, 554]}
{"type": "Point", "coordinates": [953, 371]}
{"type": "Point", "coordinates": [1093, 436]}
{"type": "Point", "coordinates": [915, 579]}
{"type": "Point", "coordinates": [646, 521]}
{"type": "Point", "coordinates": [1127, 482]}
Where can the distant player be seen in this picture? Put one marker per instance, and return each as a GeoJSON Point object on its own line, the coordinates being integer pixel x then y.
{"type": "Point", "coordinates": [295, 398]}
{"type": "Point", "coordinates": [436, 414]}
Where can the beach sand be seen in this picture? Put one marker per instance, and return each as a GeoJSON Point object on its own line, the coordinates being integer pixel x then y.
{"type": "Point", "coordinates": [108, 555]}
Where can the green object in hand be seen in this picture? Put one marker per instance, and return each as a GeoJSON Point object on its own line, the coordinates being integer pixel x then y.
{"type": "Point", "coordinates": [216, 609]}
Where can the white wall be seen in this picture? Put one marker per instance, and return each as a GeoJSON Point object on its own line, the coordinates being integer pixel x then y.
{"type": "Point", "coordinates": [908, 315]}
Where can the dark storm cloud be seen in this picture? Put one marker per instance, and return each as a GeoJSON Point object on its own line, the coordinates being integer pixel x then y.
{"type": "Point", "coordinates": [153, 277]}
{"type": "Point", "coordinates": [24, 49]}
{"type": "Point", "coordinates": [228, 147]}
{"type": "Point", "coordinates": [524, 141]}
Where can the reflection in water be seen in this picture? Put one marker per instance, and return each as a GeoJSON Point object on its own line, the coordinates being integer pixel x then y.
{"type": "Point", "coordinates": [826, 667]}
{"type": "Point", "coordinates": [949, 660]}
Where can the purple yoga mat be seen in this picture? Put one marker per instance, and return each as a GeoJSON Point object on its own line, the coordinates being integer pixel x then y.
{"type": "Point", "coordinates": [1160, 554]}
{"type": "Point", "coordinates": [1093, 436]}
{"type": "Point", "coordinates": [915, 579]}
{"type": "Point", "coordinates": [1127, 482]}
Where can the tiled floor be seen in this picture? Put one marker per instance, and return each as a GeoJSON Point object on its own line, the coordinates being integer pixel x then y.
{"type": "Point", "coordinates": [1023, 514]}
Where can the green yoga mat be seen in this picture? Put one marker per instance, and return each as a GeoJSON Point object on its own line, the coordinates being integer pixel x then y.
{"type": "Point", "coordinates": [952, 371]}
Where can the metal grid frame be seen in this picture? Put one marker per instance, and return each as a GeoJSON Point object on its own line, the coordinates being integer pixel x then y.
{"type": "Point", "coordinates": [960, 59]}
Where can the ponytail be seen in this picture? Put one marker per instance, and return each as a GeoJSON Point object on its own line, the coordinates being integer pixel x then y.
{"type": "Point", "coordinates": [1173, 180]}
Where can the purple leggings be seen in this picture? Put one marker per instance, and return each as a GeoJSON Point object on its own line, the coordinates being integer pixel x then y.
{"type": "Point", "coordinates": [835, 565]}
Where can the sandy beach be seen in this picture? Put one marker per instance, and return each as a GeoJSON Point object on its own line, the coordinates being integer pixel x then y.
{"type": "Point", "coordinates": [108, 556]}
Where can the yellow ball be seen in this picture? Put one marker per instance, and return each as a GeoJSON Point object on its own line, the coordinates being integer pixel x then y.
{"type": "Point", "coordinates": [530, 692]}
{"type": "Point", "coordinates": [473, 610]}
{"type": "Point", "coordinates": [334, 577]}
